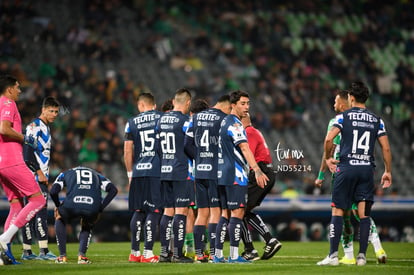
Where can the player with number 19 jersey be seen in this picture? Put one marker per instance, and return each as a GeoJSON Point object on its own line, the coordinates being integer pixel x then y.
{"type": "Point", "coordinates": [141, 130]}
{"type": "Point", "coordinates": [232, 166]}
{"type": "Point", "coordinates": [83, 189]}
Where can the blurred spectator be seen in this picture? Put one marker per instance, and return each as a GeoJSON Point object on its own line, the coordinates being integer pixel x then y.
{"type": "Point", "coordinates": [290, 192]}
{"type": "Point", "coordinates": [388, 233]}
{"type": "Point", "coordinates": [112, 52]}
{"type": "Point", "coordinates": [409, 44]}
{"type": "Point", "coordinates": [49, 34]}
{"type": "Point", "coordinates": [110, 86]}
{"type": "Point", "coordinates": [202, 40]}
{"type": "Point", "coordinates": [291, 232]}
{"type": "Point", "coordinates": [316, 232]}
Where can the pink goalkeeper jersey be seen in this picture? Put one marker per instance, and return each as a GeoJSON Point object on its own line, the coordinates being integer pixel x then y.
{"type": "Point", "coordinates": [11, 151]}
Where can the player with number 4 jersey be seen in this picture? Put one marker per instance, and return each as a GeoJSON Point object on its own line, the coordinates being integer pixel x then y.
{"type": "Point", "coordinates": [202, 141]}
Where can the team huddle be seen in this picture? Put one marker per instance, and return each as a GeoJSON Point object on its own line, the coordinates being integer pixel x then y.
{"type": "Point", "coordinates": [195, 175]}
{"type": "Point", "coordinates": [178, 162]}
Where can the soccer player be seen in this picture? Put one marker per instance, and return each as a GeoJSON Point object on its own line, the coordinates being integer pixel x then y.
{"type": "Point", "coordinates": [234, 158]}
{"type": "Point", "coordinates": [175, 188]}
{"type": "Point", "coordinates": [354, 171]}
{"type": "Point", "coordinates": [197, 105]}
{"type": "Point", "coordinates": [16, 178]}
{"type": "Point", "coordinates": [83, 200]}
{"type": "Point", "coordinates": [256, 194]}
{"type": "Point", "coordinates": [37, 159]}
{"type": "Point", "coordinates": [201, 143]}
{"type": "Point", "coordinates": [167, 105]}
{"type": "Point", "coordinates": [142, 163]}
{"type": "Point", "coordinates": [341, 105]}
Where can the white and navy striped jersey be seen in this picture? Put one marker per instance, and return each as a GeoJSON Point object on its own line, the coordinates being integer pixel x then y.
{"type": "Point", "coordinates": [232, 167]}
{"type": "Point", "coordinates": [41, 132]}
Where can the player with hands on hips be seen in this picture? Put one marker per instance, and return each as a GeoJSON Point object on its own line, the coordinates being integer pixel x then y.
{"type": "Point", "coordinates": [83, 200]}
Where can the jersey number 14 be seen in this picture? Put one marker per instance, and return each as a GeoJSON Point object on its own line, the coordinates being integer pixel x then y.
{"type": "Point", "coordinates": [360, 142]}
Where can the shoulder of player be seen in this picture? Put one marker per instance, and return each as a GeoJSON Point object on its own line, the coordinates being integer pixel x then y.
{"type": "Point", "coordinates": [37, 122]}
{"type": "Point", "coordinates": [373, 114]}
{"type": "Point", "coordinates": [360, 110]}
{"type": "Point", "coordinates": [7, 102]}
{"type": "Point", "coordinates": [253, 131]}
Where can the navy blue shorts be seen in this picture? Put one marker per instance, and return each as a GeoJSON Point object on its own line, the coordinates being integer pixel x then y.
{"type": "Point", "coordinates": [222, 196]}
{"type": "Point", "coordinates": [136, 194]}
{"type": "Point", "coordinates": [149, 197]}
{"type": "Point", "coordinates": [177, 193]}
{"type": "Point", "coordinates": [192, 193]}
{"type": "Point", "coordinates": [236, 196]}
{"type": "Point", "coordinates": [352, 185]}
{"type": "Point", "coordinates": [88, 217]}
{"type": "Point", "coordinates": [207, 193]}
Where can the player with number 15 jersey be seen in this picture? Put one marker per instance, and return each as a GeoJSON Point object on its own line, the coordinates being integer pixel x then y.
{"type": "Point", "coordinates": [141, 130]}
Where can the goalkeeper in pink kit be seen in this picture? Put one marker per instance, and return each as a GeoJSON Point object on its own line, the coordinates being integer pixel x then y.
{"type": "Point", "coordinates": [16, 178]}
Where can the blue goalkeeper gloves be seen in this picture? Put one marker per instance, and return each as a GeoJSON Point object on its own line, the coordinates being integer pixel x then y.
{"type": "Point", "coordinates": [31, 141]}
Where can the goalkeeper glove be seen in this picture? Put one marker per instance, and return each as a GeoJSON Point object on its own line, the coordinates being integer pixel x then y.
{"type": "Point", "coordinates": [31, 141]}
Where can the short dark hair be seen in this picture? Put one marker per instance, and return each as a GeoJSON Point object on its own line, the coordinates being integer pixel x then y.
{"type": "Point", "coordinates": [50, 101]}
{"type": "Point", "coordinates": [224, 98]}
{"type": "Point", "coordinates": [6, 81]}
{"type": "Point", "coordinates": [236, 95]}
{"type": "Point", "coordinates": [167, 105]}
{"type": "Point", "coordinates": [343, 94]}
{"type": "Point", "coordinates": [360, 91]}
{"type": "Point", "coordinates": [182, 95]}
{"type": "Point", "coordinates": [147, 97]}
{"type": "Point", "coordinates": [198, 105]}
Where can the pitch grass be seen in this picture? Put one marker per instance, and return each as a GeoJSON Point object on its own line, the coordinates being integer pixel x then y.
{"type": "Point", "coordinates": [293, 258]}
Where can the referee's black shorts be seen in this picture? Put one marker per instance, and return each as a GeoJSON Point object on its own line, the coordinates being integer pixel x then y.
{"type": "Point", "coordinates": [255, 194]}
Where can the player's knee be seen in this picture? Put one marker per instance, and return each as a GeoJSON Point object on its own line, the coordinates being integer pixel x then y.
{"type": "Point", "coordinates": [368, 207]}
{"type": "Point", "coordinates": [16, 200]}
{"type": "Point", "coordinates": [86, 224]}
{"type": "Point", "coordinates": [37, 198]}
